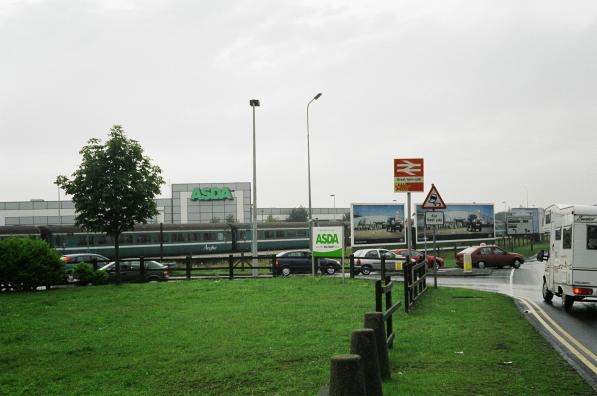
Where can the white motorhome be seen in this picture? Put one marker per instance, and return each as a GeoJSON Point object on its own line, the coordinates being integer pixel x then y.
{"type": "Point", "coordinates": [571, 263]}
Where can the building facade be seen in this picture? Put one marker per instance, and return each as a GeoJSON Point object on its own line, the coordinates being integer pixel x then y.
{"type": "Point", "coordinates": [189, 203]}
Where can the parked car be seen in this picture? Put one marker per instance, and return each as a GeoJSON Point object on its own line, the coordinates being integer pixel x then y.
{"type": "Point", "coordinates": [367, 260]}
{"type": "Point", "coordinates": [419, 256]}
{"type": "Point", "coordinates": [489, 256]}
{"type": "Point", "coordinates": [299, 261]}
{"type": "Point", "coordinates": [70, 260]}
{"type": "Point", "coordinates": [130, 271]}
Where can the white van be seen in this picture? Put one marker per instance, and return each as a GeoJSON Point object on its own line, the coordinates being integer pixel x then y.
{"type": "Point", "coordinates": [571, 263]}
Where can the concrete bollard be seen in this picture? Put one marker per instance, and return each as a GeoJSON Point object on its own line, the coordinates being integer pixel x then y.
{"type": "Point", "coordinates": [363, 343]}
{"type": "Point", "coordinates": [374, 320]}
{"type": "Point", "coordinates": [346, 378]}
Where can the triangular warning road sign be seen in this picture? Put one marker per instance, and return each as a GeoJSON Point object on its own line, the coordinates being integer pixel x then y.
{"type": "Point", "coordinates": [433, 200]}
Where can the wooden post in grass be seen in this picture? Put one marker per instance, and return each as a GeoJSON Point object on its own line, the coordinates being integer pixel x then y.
{"type": "Point", "coordinates": [351, 266]}
{"type": "Point", "coordinates": [363, 343]}
{"type": "Point", "coordinates": [188, 267]}
{"type": "Point", "coordinates": [142, 268]}
{"type": "Point", "coordinates": [273, 266]}
{"type": "Point", "coordinates": [230, 267]}
{"type": "Point", "coordinates": [346, 376]}
{"type": "Point", "coordinates": [374, 320]}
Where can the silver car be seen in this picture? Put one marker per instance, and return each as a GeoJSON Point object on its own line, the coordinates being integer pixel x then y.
{"type": "Point", "coordinates": [367, 260]}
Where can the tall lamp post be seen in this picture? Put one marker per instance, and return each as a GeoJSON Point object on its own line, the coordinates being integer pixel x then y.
{"type": "Point", "coordinates": [309, 180]}
{"type": "Point", "coordinates": [334, 216]}
{"type": "Point", "coordinates": [254, 103]}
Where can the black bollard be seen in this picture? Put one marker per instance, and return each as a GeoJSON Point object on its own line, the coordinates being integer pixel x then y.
{"type": "Point", "coordinates": [346, 376]}
{"type": "Point", "coordinates": [363, 343]}
{"type": "Point", "coordinates": [374, 320]}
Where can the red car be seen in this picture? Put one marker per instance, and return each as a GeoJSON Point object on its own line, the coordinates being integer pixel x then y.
{"type": "Point", "coordinates": [420, 256]}
{"type": "Point", "coordinates": [490, 256]}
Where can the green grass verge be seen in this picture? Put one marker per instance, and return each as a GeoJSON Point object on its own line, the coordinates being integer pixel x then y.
{"type": "Point", "coordinates": [268, 336]}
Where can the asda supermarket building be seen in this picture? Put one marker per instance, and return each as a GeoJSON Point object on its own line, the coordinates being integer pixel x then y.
{"type": "Point", "coordinates": [188, 203]}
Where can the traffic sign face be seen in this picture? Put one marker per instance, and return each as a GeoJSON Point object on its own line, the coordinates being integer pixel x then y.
{"type": "Point", "coordinates": [433, 200]}
{"type": "Point", "coordinates": [434, 218]}
{"type": "Point", "coordinates": [408, 175]}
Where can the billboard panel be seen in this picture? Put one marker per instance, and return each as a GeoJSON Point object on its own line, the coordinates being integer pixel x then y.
{"type": "Point", "coordinates": [461, 222]}
{"type": "Point", "coordinates": [536, 214]}
{"type": "Point", "coordinates": [519, 225]}
{"type": "Point", "coordinates": [375, 224]}
{"type": "Point", "coordinates": [328, 241]}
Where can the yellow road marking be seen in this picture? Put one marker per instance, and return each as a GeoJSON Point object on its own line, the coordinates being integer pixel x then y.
{"type": "Point", "coordinates": [565, 343]}
{"type": "Point", "coordinates": [574, 341]}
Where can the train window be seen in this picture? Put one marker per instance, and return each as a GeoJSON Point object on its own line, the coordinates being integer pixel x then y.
{"type": "Point", "coordinates": [58, 240]}
{"type": "Point", "coordinates": [154, 238]}
{"type": "Point", "coordinates": [280, 235]}
{"type": "Point", "coordinates": [290, 233]}
{"type": "Point", "coordinates": [193, 237]}
{"type": "Point", "coordinates": [269, 234]}
{"type": "Point", "coordinates": [126, 239]}
{"type": "Point", "coordinates": [101, 240]}
{"type": "Point", "coordinates": [220, 236]}
{"type": "Point", "coordinates": [301, 233]}
{"type": "Point", "coordinates": [142, 238]}
{"type": "Point", "coordinates": [208, 236]}
{"type": "Point", "coordinates": [178, 237]}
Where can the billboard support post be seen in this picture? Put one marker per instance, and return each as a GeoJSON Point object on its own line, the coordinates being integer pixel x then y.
{"type": "Point", "coordinates": [408, 228]}
{"type": "Point", "coordinates": [435, 252]}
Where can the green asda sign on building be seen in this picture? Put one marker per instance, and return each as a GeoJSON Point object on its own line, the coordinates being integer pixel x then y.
{"type": "Point", "coordinates": [211, 194]}
{"type": "Point", "coordinates": [328, 241]}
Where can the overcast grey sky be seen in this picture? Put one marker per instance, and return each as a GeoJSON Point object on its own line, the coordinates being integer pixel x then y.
{"type": "Point", "coordinates": [498, 97]}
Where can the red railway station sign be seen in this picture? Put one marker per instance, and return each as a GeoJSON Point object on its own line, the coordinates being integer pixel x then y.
{"type": "Point", "coordinates": [408, 175]}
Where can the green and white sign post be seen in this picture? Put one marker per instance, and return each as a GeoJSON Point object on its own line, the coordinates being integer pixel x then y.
{"type": "Point", "coordinates": [329, 242]}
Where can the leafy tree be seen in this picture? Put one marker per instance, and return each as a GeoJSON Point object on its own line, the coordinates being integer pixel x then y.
{"type": "Point", "coordinates": [114, 187]}
{"type": "Point", "coordinates": [298, 214]}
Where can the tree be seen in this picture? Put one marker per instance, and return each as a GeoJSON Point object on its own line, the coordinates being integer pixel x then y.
{"type": "Point", "coordinates": [298, 214]}
{"type": "Point", "coordinates": [114, 187]}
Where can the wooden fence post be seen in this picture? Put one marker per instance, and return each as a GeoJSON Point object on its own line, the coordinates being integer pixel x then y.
{"type": "Point", "coordinates": [142, 268]}
{"type": "Point", "coordinates": [188, 267]}
{"type": "Point", "coordinates": [230, 267]}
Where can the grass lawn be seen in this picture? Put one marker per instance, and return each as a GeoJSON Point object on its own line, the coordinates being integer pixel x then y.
{"type": "Point", "coordinates": [268, 336]}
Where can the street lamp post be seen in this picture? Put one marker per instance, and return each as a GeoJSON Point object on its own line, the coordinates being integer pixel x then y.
{"type": "Point", "coordinates": [334, 215]}
{"type": "Point", "coordinates": [309, 181]}
{"type": "Point", "coordinates": [254, 103]}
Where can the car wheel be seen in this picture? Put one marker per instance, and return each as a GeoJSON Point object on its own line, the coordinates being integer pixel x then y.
{"type": "Point", "coordinates": [365, 270]}
{"type": "Point", "coordinates": [285, 271]}
{"type": "Point", "coordinates": [481, 264]}
{"type": "Point", "coordinates": [330, 270]}
{"type": "Point", "coordinates": [567, 302]}
{"type": "Point", "coordinates": [547, 295]}
{"type": "Point", "coordinates": [516, 264]}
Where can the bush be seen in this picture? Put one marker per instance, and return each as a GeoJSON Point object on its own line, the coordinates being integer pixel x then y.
{"type": "Point", "coordinates": [26, 264]}
{"type": "Point", "coordinates": [85, 274]}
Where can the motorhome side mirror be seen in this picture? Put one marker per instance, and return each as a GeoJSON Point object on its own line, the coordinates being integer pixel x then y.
{"type": "Point", "coordinates": [540, 255]}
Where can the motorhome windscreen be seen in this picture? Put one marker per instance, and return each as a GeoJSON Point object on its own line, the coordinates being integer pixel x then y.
{"type": "Point", "coordinates": [567, 238]}
{"type": "Point", "coordinates": [592, 237]}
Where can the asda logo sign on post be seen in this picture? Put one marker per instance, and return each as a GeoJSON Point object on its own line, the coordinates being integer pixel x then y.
{"type": "Point", "coordinates": [211, 194]}
{"type": "Point", "coordinates": [328, 241]}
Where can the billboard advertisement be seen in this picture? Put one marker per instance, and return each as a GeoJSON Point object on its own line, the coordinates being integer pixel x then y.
{"type": "Point", "coordinates": [536, 215]}
{"type": "Point", "coordinates": [519, 225]}
{"type": "Point", "coordinates": [461, 222]}
{"type": "Point", "coordinates": [376, 224]}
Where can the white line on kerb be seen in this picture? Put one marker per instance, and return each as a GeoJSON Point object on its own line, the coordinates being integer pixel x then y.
{"type": "Point", "coordinates": [512, 282]}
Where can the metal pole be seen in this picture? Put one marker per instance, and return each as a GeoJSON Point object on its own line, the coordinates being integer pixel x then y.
{"type": "Point", "coordinates": [435, 251]}
{"type": "Point", "coordinates": [254, 262]}
{"type": "Point", "coordinates": [334, 215]}
{"type": "Point", "coordinates": [408, 228]}
{"type": "Point", "coordinates": [310, 219]}
{"type": "Point", "coordinates": [59, 213]}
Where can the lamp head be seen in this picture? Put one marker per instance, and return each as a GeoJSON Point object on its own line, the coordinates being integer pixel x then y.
{"type": "Point", "coordinates": [254, 103]}
{"type": "Point", "coordinates": [317, 96]}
